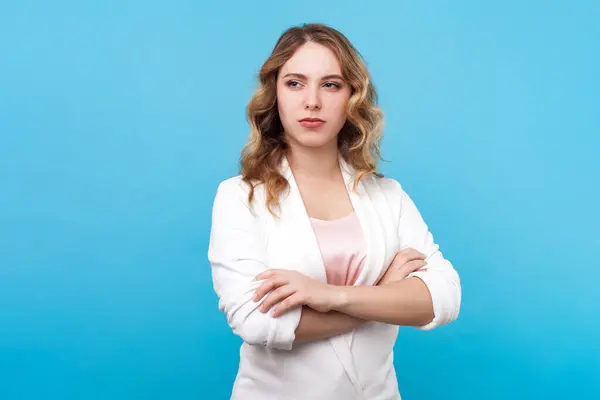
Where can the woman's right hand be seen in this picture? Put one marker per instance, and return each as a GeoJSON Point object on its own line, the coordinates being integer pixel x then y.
{"type": "Point", "coordinates": [404, 263]}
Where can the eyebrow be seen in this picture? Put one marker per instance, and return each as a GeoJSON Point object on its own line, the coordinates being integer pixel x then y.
{"type": "Point", "coordinates": [302, 76]}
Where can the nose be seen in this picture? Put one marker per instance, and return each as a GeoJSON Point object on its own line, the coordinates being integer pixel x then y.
{"type": "Point", "coordinates": [313, 100]}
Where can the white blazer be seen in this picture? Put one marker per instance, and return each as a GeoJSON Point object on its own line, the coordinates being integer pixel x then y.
{"type": "Point", "coordinates": [246, 240]}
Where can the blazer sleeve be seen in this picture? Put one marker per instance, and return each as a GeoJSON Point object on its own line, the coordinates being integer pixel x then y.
{"type": "Point", "coordinates": [439, 275]}
{"type": "Point", "coordinates": [237, 254]}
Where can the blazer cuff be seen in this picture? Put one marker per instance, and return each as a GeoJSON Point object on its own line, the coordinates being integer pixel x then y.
{"type": "Point", "coordinates": [442, 304]}
{"type": "Point", "coordinates": [282, 330]}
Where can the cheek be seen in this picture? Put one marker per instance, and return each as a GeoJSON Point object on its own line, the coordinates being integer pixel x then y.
{"type": "Point", "coordinates": [285, 104]}
{"type": "Point", "coordinates": [337, 107]}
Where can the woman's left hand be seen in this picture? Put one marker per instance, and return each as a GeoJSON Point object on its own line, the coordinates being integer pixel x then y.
{"type": "Point", "coordinates": [291, 289]}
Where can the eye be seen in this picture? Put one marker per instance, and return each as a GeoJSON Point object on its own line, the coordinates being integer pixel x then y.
{"type": "Point", "coordinates": [293, 84]}
{"type": "Point", "coordinates": [332, 85]}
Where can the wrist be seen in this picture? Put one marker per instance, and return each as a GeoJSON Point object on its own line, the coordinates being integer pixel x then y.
{"type": "Point", "coordinates": [340, 297]}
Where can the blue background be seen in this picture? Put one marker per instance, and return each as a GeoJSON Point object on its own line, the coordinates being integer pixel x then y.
{"type": "Point", "coordinates": [118, 120]}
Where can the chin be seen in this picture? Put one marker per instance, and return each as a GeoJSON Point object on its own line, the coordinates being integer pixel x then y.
{"type": "Point", "coordinates": [312, 139]}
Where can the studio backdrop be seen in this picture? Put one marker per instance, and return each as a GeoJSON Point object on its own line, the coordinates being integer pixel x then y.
{"type": "Point", "coordinates": [119, 119]}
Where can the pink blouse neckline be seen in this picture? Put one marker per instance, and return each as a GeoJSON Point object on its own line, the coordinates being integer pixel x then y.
{"type": "Point", "coordinates": [329, 221]}
{"type": "Point", "coordinates": [342, 246]}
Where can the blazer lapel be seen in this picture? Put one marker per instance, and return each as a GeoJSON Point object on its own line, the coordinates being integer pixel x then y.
{"type": "Point", "coordinates": [370, 223]}
{"type": "Point", "coordinates": [297, 222]}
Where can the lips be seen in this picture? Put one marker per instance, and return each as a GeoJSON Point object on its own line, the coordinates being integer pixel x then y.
{"type": "Point", "coordinates": [312, 120]}
{"type": "Point", "coordinates": [311, 123]}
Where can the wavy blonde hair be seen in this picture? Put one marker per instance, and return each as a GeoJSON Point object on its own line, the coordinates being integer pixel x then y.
{"type": "Point", "coordinates": [359, 138]}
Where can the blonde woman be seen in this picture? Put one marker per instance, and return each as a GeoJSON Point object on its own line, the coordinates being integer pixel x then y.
{"type": "Point", "coordinates": [317, 259]}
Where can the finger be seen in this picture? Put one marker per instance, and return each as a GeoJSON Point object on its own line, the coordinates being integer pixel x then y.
{"type": "Point", "coordinates": [269, 285]}
{"type": "Point", "coordinates": [411, 267]}
{"type": "Point", "coordinates": [391, 271]}
{"type": "Point", "coordinates": [393, 268]}
{"type": "Point", "coordinates": [293, 301]}
{"type": "Point", "coordinates": [276, 296]}
{"type": "Point", "coordinates": [414, 254]}
{"type": "Point", "coordinates": [393, 274]}
{"type": "Point", "coordinates": [407, 255]}
{"type": "Point", "coordinates": [265, 274]}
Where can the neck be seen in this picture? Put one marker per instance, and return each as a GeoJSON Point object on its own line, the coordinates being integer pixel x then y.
{"type": "Point", "coordinates": [314, 162]}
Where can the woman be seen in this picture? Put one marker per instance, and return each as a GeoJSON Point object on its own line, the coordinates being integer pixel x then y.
{"type": "Point", "coordinates": [316, 258]}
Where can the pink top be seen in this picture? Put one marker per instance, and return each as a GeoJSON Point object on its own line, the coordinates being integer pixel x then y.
{"type": "Point", "coordinates": [342, 247]}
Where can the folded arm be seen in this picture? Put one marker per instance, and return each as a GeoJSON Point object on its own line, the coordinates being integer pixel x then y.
{"type": "Point", "coordinates": [316, 325]}
{"type": "Point", "coordinates": [427, 298]}
{"type": "Point", "coordinates": [237, 255]}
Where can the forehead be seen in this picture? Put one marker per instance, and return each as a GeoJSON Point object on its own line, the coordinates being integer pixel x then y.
{"type": "Point", "coordinates": [313, 60]}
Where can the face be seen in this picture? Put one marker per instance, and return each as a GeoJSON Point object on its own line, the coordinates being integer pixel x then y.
{"type": "Point", "coordinates": [312, 97]}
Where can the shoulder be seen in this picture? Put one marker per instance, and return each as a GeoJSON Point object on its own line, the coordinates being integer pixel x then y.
{"type": "Point", "coordinates": [388, 189]}
{"type": "Point", "coordinates": [388, 186]}
{"type": "Point", "coordinates": [233, 193]}
{"type": "Point", "coordinates": [233, 188]}
{"type": "Point", "coordinates": [232, 185]}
